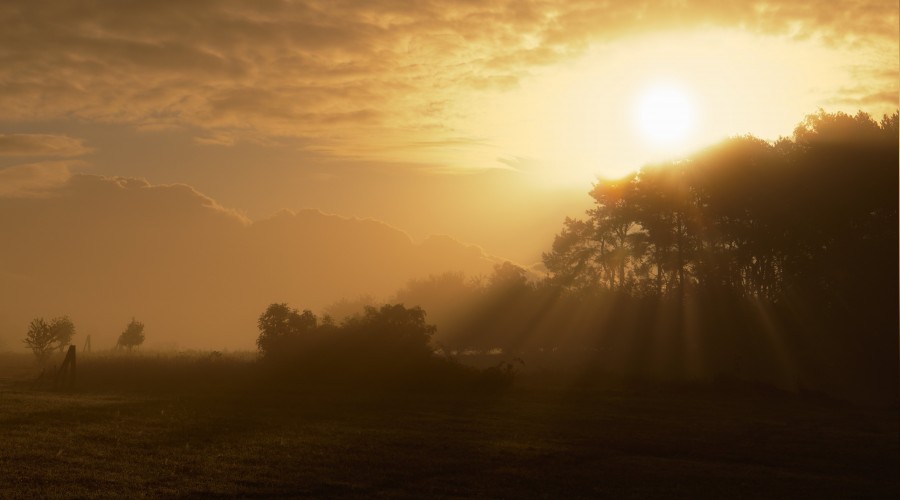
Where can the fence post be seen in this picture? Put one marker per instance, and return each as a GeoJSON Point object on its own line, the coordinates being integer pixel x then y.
{"type": "Point", "coordinates": [67, 371]}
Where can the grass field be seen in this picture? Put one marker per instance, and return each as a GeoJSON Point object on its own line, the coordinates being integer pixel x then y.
{"type": "Point", "coordinates": [533, 441]}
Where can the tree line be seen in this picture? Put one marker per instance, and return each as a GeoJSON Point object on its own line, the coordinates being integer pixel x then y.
{"type": "Point", "coordinates": [746, 216]}
{"type": "Point", "coordinates": [769, 261]}
{"type": "Point", "coordinates": [387, 346]}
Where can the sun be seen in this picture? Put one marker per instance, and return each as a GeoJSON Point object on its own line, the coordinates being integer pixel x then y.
{"type": "Point", "coordinates": [664, 115]}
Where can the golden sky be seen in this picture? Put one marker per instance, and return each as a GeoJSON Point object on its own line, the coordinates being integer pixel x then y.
{"type": "Point", "coordinates": [485, 120]}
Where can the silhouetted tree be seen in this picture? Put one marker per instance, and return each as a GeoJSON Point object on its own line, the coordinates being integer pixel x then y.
{"type": "Point", "coordinates": [614, 219]}
{"type": "Point", "coordinates": [782, 250]}
{"type": "Point", "coordinates": [508, 276]}
{"type": "Point", "coordinates": [63, 330]}
{"type": "Point", "coordinates": [392, 328]}
{"type": "Point", "coordinates": [575, 258]}
{"type": "Point", "coordinates": [40, 338]}
{"type": "Point", "coordinates": [132, 337]}
{"type": "Point", "coordinates": [746, 215]}
{"type": "Point", "coordinates": [390, 344]}
{"type": "Point", "coordinates": [281, 328]}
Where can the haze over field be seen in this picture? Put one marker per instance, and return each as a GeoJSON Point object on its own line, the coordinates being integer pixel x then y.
{"type": "Point", "coordinates": [449, 248]}
{"type": "Point", "coordinates": [105, 249]}
{"type": "Point", "coordinates": [148, 150]}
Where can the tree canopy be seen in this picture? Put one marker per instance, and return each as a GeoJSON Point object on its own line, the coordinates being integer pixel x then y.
{"type": "Point", "coordinates": [281, 327]}
{"type": "Point", "coordinates": [132, 336]}
{"type": "Point", "coordinates": [747, 216]}
{"type": "Point", "coordinates": [39, 338]}
{"type": "Point", "coordinates": [63, 330]}
{"type": "Point", "coordinates": [43, 336]}
{"type": "Point", "coordinates": [283, 331]}
{"type": "Point", "coordinates": [773, 261]}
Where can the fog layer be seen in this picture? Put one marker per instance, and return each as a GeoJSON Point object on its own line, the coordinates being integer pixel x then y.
{"type": "Point", "coordinates": [103, 250]}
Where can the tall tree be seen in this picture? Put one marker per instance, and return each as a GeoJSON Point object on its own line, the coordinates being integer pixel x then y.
{"type": "Point", "coordinates": [746, 215]}
{"type": "Point", "coordinates": [574, 258]}
{"type": "Point", "coordinates": [614, 218]}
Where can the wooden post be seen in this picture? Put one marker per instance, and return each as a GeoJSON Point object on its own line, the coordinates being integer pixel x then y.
{"type": "Point", "coordinates": [87, 345]}
{"type": "Point", "coordinates": [67, 371]}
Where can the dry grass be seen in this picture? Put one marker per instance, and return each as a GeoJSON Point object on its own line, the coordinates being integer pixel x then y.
{"type": "Point", "coordinates": [530, 442]}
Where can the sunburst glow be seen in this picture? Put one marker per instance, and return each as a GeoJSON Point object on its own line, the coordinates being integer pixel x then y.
{"type": "Point", "coordinates": [664, 115]}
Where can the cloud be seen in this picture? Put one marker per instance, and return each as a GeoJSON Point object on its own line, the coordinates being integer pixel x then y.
{"type": "Point", "coordinates": [104, 249]}
{"type": "Point", "coordinates": [346, 74]}
{"type": "Point", "coordinates": [41, 145]}
{"type": "Point", "coordinates": [863, 98]}
{"type": "Point", "coordinates": [35, 179]}
{"type": "Point", "coordinates": [216, 139]}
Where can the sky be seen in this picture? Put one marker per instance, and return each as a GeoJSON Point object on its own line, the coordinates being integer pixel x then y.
{"type": "Point", "coordinates": [486, 121]}
{"type": "Point", "coordinates": [481, 120]}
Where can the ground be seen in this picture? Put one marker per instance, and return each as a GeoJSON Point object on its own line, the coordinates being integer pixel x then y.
{"type": "Point", "coordinates": [531, 440]}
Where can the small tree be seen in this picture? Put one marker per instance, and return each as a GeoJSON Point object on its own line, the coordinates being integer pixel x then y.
{"type": "Point", "coordinates": [63, 330]}
{"type": "Point", "coordinates": [392, 327]}
{"type": "Point", "coordinates": [40, 338]}
{"type": "Point", "coordinates": [132, 337]}
{"type": "Point", "coordinates": [281, 328]}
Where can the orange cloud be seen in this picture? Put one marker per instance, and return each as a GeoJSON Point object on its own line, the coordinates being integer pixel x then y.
{"type": "Point", "coordinates": [35, 179]}
{"type": "Point", "coordinates": [41, 145]}
{"type": "Point", "coordinates": [348, 74]}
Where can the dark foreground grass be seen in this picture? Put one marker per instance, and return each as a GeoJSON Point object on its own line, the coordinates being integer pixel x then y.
{"type": "Point", "coordinates": [548, 442]}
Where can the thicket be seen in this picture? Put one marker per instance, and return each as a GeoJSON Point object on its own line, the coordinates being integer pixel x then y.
{"type": "Point", "coordinates": [387, 347]}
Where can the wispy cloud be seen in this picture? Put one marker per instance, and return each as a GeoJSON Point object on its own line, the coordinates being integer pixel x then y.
{"type": "Point", "coordinates": [342, 73]}
{"type": "Point", "coordinates": [36, 179]}
{"type": "Point", "coordinates": [41, 145]}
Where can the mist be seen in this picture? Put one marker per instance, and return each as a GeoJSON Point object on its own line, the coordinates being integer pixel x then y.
{"type": "Point", "coordinates": [455, 249]}
{"type": "Point", "coordinates": [104, 250]}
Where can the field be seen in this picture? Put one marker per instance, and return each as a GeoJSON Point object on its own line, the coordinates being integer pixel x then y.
{"type": "Point", "coordinates": [532, 440]}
